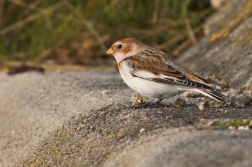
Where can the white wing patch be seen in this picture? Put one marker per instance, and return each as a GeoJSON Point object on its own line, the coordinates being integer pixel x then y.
{"type": "Point", "coordinates": [151, 76]}
{"type": "Point", "coordinates": [144, 74]}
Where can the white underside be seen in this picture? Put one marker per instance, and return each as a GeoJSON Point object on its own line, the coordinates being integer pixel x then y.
{"type": "Point", "coordinates": [149, 88]}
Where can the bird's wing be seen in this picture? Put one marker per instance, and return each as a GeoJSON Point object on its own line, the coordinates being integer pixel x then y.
{"type": "Point", "coordinates": [159, 71]}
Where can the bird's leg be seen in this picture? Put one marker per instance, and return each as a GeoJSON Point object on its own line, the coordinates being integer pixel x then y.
{"type": "Point", "coordinates": [150, 100]}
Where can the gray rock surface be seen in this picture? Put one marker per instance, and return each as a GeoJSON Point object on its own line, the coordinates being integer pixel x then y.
{"type": "Point", "coordinates": [35, 105]}
{"type": "Point", "coordinates": [85, 118]}
{"type": "Point", "coordinates": [187, 147]}
{"type": "Point", "coordinates": [226, 53]}
{"type": "Point", "coordinates": [223, 10]}
{"type": "Point", "coordinates": [66, 119]}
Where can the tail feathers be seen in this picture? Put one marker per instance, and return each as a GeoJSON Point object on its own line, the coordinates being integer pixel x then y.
{"type": "Point", "coordinates": [214, 94]}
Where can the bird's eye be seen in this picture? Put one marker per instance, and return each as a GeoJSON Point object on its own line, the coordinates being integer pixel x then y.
{"type": "Point", "coordinates": [119, 46]}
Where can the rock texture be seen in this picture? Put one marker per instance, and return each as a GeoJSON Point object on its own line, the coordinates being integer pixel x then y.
{"type": "Point", "coordinates": [187, 147]}
{"type": "Point", "coordinates": [226, 53]}
{"type": "Point", "coordinates": [33, 106]}
{"type": "Point", "coordinates": [85, 118]}
{"type": "Point", "coordinates": [66, 119]}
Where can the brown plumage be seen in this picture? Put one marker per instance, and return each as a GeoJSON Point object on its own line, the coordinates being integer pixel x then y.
{"type": "Point", "coordinates": [142, 62]}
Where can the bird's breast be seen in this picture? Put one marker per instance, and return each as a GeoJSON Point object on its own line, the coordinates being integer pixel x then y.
{"type": "Point", "coordinates": [145, 87]}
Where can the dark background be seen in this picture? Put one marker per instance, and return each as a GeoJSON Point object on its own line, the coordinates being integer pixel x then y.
{"type": "Point", "coordinates": [80, 31]}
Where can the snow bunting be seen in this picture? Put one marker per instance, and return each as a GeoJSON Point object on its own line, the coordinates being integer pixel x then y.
{"type": "Point", "coordinates": [153, 74]}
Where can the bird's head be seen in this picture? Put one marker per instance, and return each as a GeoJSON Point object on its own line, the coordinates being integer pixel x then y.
{"type": "Point", "coordinates": [124, 48]}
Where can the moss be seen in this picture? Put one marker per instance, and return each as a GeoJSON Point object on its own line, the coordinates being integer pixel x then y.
{"type": "Point", "coordinates": [106, 133]}
{"type": "Point", "coordinates": [143, 124]}
{"type": "Point", "coordinates": [246, 37]}
{"type": "Point", "coordinates": [49, 150]}
{"type": "Point", "coordinates": [120, 133]}
{"type": "Point", "coordinates": [63, 136]}
{"type": "Point", "coordinates": [111, 136]}
{"type": "Point", "coordinates": [233, 123]}
{"type": "Point", "coordinates": [85, 146]}
{"type": "Point", "coordinates": [35, 162]}
{"type": "Point", "coordinates": [229, 24]}
{"type": "Point", "coordinates": [218, 35]}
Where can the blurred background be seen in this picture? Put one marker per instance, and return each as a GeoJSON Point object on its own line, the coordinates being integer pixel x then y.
{"type": "Point", "coordinates": [78, 32]}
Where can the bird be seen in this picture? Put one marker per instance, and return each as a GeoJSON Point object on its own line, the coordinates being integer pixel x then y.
{"type": "Point", "coordinates": [154, 74]}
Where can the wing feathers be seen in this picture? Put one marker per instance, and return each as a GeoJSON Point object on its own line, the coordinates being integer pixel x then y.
{"type": "Point", "coordinates": [215, 94]}
{"type": "Point", "coordinates": [156, 70]}
{"type": "Point", "coordinates": [160, 72]}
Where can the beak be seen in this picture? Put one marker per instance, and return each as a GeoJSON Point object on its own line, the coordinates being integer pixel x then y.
{"type": "Point", "coordinates": [110, 52]}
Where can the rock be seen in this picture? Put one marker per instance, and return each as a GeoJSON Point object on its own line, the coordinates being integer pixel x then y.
{"type": "Point", "coordinates": [75, 122]}
{"type": "Point", "coordinates": [202, 104]}
{"type": "Point", "coordinates": [207, 102]}
{"type": "Point", "coordinates": [226, 50]}
{"type": "Point", "coordinates": [215, 104]}
{"type": "Point", "coordinates": [232, 92]}
{"type": "Point", "coordinates": [243, 128]}
{"type": "Point", "coordinates": [35, 106]}
{"type": "Point", "coordinates": [247, 88]}
{"type": "Point", "coordinates": [137, 99]}
{"type": "Point", "coordinates": [224, 8]}
{"type": "Point", "coordinates": [241, 101]}
{"type": "Point", "coordinates": [187, 148]}
{"type": "Point", "coordinates": [105, 92]}
{"type": "Point", "coordinates": [191, 94]}
{"type": "Point", "coordinates": [180, 102]}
